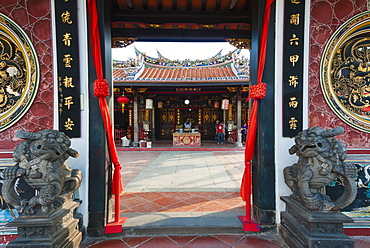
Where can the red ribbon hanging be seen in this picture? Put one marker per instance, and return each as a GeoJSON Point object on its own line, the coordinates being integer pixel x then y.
{"type": "Point", "coordinates": [263, 41]}
{"type": "Point", "coordinates": [95, 38]}
{"type": "Point", "coordinates": [101, 91]}
{"type": "Point", "coordinates": [257, 92]}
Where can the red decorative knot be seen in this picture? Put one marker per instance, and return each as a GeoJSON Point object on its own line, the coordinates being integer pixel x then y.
{"type": "Point", "coordinates": [248, 163]}
{"type": "Point", "coordinates": [101, 88]}
{"type": "Point", "coordinates": [258, 91]}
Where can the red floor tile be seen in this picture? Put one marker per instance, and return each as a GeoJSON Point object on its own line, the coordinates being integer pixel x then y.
{"type": "Point", "coordinates": [147, 207]}
{"type": "Point", "coordinates": [165, 201]}
{"type": "Point", "coordinates": [232, 202]}
{"type": "Point", "coordinates": [126, 196]}
{"type": "Point", "coordinates": [86, 243]}
{"type": "Point", "coordinates": [255, 242]}
{"type": "Point", "coordinates": [361, 241]}
{"type": "Point", "coordinates": [211, 195]}
{"type": "Point", "coordinates": [206, 242]}
{"type": "Point", "coordinates": [215, 207]}
{"type": "Point", "coordinates": [182, 240]}
{"type": "Point", "coordinates": [113, 243]}
{"type": "Point", "coordinates": [159, 242]}
{"type": "Point", "coordinates": [197, 209]}
{"type": "Point", "coordinates": [182, 202]}
{"type": "Point", "coordinates": [232, 195]}
{"type": "Point", "coordinates": [135, 241]}
{"type": "Point", "coordinates": [126, 210]}
{"type": "Point", "coordinates": [229, 239]}
{"type": "Point", "coordinates": [178, 195]}
{"type": "Point", "coordinates": [132, 202]}
{"type": "Point", "coordinates": [196, 200]}
{"type": "Point", "coordinates": [150, 196]}
{"type": "Point", "coordinates": [180, 207]}
{"type": "Point", "coordinates": [194, 241]}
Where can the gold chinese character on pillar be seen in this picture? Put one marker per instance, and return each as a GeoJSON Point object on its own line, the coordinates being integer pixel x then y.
{"type": "Point", "coordinates": [69, 124]}
{"type": "Point", "coordinates": [294, 19]}
{"type": "Point", "coordinates": [293, 59]}
{"type": "Point", "coordinates": [67, 39]}
{"type": "Point", "coordinates": [67, 60]}
{"type": "Point", "coordinates": [68, 101]}
{"type": "Point", "coordinates": [293, 103]}
{"type": "Point", "coordinates": [66, 17]}
{"type": "Point", "coordinates": [294, 40]}
{"type": "Point", "coordinates": [67, 82]}
{"type": "Point", "coordinates": [293, 81]}
{"type": "Point", "coordinates": [293, 123]}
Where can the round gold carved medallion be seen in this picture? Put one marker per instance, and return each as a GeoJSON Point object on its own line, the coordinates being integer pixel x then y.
{"type": "Point", "coordinates": [186, 140]}
{"type": "Point", "coordinates": [19, 73]}
{"type": "Point", "coordinates": [345, 72]}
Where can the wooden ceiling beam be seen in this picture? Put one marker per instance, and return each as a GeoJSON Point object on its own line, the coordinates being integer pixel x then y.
{"type": "Point", "coordinates": [189, 35]}
{"type": "Point", "coordinates": [161, 17]}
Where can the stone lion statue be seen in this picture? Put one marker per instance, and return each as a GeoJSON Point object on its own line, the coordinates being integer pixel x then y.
{"type": "Point", "coordinates": [321, 160]}
{"type": "Point", "coordinates": [40, 161]}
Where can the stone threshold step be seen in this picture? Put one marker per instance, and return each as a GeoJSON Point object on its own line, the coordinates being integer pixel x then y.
{"type": "Point", "coordinates": [184, 223]}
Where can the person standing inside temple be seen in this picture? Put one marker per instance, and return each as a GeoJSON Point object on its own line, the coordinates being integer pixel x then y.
{"type": "Point", "coordinates": [217, 122]}
{"type": "Point", "coordinates": [220, 133]}
{"type": "Point", "coordinates": [244, 129]}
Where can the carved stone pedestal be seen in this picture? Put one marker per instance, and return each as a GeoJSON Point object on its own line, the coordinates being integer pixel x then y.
{"type": "Point", "coordinates": [59, 229]}
{"type": "Point", "coordinates": [303, 228]}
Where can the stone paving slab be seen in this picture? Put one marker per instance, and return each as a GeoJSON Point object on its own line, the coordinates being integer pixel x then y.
{"type": "Point", "coordinates": [183, 223]}
{"type": "Point", "coordinates": [183, 171]}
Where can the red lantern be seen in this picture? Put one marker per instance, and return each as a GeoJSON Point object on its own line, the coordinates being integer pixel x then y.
{"type": "Point", "coordinates": [123, 100]}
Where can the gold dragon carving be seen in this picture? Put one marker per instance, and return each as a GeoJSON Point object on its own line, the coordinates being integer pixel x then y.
{"type": "Point", "coordinates": [12, 74]}
{"type": "Point", "coordinates": [351, 75]}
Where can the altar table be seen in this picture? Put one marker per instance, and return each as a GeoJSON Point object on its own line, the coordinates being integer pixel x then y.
{"type": "Point", "coordinates": [186, 139]}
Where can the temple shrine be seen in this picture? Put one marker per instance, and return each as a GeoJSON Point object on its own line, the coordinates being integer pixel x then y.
{"type": "Point", "coordinates": [168, 93]}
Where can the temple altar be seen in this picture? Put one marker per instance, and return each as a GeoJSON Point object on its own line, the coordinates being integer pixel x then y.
{"type": "Point", "coordinates": [186, 139]}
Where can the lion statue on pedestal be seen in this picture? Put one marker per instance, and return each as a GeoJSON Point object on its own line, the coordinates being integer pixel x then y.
{"type": "Point", "coordinates": [321, 160]}
{"type": "Point", "coordinates": [40, 161]}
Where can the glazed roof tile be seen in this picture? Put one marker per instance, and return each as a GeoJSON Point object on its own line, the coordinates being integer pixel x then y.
{"type": "Point", "coordinates": [217, 72]}
{"type": "Point", "coordinates": [145, 69]}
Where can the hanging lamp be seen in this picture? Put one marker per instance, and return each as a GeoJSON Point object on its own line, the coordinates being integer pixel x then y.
{"type": "Point", "coordinates": [123, 100]}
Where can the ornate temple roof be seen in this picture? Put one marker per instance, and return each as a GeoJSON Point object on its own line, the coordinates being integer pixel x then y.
{"type": "Point", "coordinates": [144, 69]}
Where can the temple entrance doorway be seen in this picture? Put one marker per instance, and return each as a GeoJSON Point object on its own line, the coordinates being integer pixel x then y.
{"type": "Point", "coordinates": [169, 112]}
{"type": "Point", "coordinates": [217, 32]}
